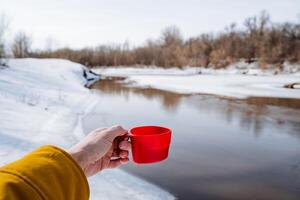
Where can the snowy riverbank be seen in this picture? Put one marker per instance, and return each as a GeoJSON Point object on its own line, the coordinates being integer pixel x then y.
{"type": "Point", "coordinates": [236, 81]}
{"type": "Point", "coordinates": [42, 102]}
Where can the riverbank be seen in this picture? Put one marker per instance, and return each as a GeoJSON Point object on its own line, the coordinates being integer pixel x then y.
{"type": "Point", "coordinates": [42, 102]}
{"type": "Point", "coordinates": [236, 81]}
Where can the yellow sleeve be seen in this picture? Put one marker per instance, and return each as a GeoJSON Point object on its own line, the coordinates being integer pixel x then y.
{"type": "Point", "coordinates": [46, 173]}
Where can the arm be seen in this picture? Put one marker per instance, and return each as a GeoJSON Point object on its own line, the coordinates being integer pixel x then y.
{"type": "Point", "coordinates": [46, 173]}
{"type": "Point", "coordinates": [52, 173]}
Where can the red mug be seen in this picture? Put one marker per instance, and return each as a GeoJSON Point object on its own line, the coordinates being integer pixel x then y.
{"type": "Point", "coordinates": [150, 143]}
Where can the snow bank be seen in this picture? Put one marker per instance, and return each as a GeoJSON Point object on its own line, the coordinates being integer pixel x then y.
{"type": "Point", "coordinates": [236, 68]}
{"type": "Point", "coordinates": [239, 80]}
{"type": "Point", "coordinates": [42, 102]}
{"type": "Point", "coordinates": [239, 86]}
{"type": "Point", "coordinates": [152, 70]}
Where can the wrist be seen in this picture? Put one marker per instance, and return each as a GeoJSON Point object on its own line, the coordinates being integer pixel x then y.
{"type": "Point", "coordinates": [78, 157]}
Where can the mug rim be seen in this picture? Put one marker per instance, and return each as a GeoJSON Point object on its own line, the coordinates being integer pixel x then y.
{"type": "Point", "coordinates": [168, 131]}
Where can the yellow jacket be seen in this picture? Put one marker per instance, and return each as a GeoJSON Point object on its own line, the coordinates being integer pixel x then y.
{"type": "Point", "coordinates": [46, 173]}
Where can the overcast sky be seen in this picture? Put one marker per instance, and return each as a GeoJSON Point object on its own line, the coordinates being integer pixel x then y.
{"type": "Point", "coordinates": [79, 23]}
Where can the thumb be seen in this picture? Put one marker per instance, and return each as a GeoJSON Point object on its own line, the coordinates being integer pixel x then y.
{"type": "Point", "coordinates": [115, 131]}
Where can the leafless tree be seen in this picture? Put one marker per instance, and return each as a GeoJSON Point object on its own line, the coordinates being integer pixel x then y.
{"type": "Point", "coordinates": [3, 29]}
{"type": "Point", "coordinates": [172, 43]}
{"type": "Point", "coordinates": [259, 41]}
{"type": "Point", "coordinates": [21, 45]}
{"type": "Point", "coordinates": [171, 35]}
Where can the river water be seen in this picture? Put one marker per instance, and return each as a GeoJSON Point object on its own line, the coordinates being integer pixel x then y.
{"type": "Point", "coordinates": [221, 148]}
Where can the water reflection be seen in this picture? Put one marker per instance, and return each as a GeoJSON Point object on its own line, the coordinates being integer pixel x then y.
{"type": "Point", "coordinates": [283, 102]}
{"type": "Point", "coordinates": [253, 113]}
{"type": "Point", "coordinates": [221, 148]}
{"type": "Point", "coordinates": [253, 117]}
{"type": "Point", "coordinates": [169, 100]}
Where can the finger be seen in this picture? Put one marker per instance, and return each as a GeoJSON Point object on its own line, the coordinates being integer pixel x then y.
{"type": "Point", "coordinates": [118, 139]}
{"type": "Point", "coordinates": [120, 153]}
{"type": "Point", "coordinates": [116, 152]}
{"type": "Point", "coordinates": [123, 154]}
{"type": "Point", "coordinates": [117, 162]}
{"type": "Point", "coordinates": [125, 145]}
{"type": "Point", "coordinates": [126, 138]}
{"type": "Point", "coordinates": [115, 131]}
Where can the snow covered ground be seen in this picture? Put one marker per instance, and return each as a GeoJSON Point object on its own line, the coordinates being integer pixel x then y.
{"type": "Point", "coordinates": [237, 68]}
{"type": "Point", "coordinates": [42, 102]}
{"type": "Point", "coordinates": [238, 81]}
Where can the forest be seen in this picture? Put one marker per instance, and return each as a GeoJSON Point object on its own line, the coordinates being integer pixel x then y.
{"type": "Point", "coordinates": [258, 40]}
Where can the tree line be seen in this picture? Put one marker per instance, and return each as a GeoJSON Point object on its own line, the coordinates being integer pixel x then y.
{"type": "Point", "coordinates": [259, 40]}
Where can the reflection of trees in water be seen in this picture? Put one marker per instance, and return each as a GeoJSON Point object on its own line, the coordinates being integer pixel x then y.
{"type": "Point", "coordinates": [252, 118]}
{"type": "Point", "coordinates": [253, 114]}
{"type": "Point", "coordinates": [283, 113]}
{"type": "Point", "coordinates": [284, 102]}
{"type": "Point", "coordinates": [169, 100]}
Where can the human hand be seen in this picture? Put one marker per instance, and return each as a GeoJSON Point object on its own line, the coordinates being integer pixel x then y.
{"type": "Point", "coordinates": [101, 149]}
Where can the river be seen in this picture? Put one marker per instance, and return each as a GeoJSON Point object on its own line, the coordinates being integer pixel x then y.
{"type": "Point", "coordinates": [221, 148]}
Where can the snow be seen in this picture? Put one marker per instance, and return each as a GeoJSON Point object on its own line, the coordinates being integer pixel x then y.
{"type": "Point", "coordinates": [239, 86]}
{"type": "Point", "coordinates": [42, 102]}
{"type": "Point", "coordinates": [152, 70]}
{"type": "Point", "coordinates": [236, 68]}
{"type": "Point", "coordinates": [237, 81]}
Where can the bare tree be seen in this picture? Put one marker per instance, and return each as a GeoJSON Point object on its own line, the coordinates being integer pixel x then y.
{"type": "Point", "coordinates": [261, 41]}
{"type": "Point", "coordinates": [172, 47]}
{"type": "Point", "coordinates": [171, 35]}
{"type": "Point", "coordinates": [21, 45]}
{"type": "Point", "coordinates": [3, 28]}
